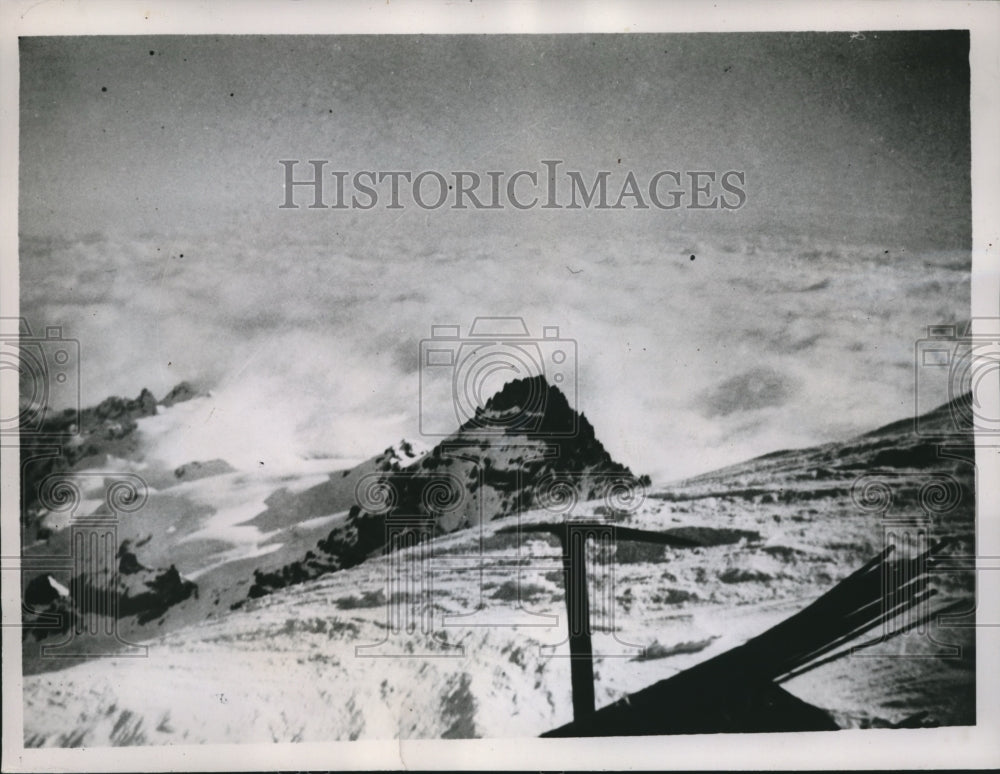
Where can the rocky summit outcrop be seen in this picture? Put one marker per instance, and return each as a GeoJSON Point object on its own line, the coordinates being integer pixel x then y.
{"type": "Point", "coordinates": [525, 448]}
{"type": "Point", "coordinates": [181, 392]}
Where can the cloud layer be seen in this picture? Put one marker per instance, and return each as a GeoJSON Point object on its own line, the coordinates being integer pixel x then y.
{"type": "Point", "coordinates": [682, 364]}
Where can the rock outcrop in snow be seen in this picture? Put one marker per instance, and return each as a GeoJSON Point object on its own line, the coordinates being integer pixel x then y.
{"type": "Point", "coordinates": [524, 447]}
{"type": "Point", "coordinates": [136, 590]}
{"type": "Point", "coordinates": [83, 441]}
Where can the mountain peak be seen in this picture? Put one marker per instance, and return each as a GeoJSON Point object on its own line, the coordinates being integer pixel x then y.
{"type": "Point", "coordinates": [181, 392]}
{"type": "Point", "coordinates": [524, 441]}
{"type": "Point", "coordinates": [524, 393]}
{"type": "Point", "coordinates": [530, 406]}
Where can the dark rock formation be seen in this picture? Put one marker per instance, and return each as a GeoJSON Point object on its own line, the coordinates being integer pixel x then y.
{"type": "Point", "coordinates": [525, 445]}
{"type": "Point", "coordinates": [68, 441]}
{"type": "Point", "coordinates": [136, 590]}
{"type": "Point", "coordinates": [181, 392]}
{"type": "Point", "coordinates": [151, 599]}
{"type": "Point", "coordinates": [40, 592]}
{"type": "Point", "coordinates": [128, 563]}
{"type": "Point", "coordinates": [124, 409]}
{"type": "Point", "coordinates": [192, 471]}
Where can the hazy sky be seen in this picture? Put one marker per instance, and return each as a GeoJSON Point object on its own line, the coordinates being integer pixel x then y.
{"type": "Point", "coordinates": [858, 136]}
{"type": "Point", "coordinates": [794, 324]}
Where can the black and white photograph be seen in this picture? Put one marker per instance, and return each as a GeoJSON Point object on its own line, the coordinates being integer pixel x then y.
{"type": "Point", "coordinates": [532, 381]}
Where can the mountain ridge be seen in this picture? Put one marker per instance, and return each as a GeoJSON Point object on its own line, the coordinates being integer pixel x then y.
{"type": "Point", "coordinates": [70, 440]}
{"type": "Point", "coordinates": [311, 530]}
{"type": "Point", "coordinates": [771, 537]}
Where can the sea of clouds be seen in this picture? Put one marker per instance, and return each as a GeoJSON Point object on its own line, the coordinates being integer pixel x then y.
{"type": "Point", "coordinates": [311, 347]}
